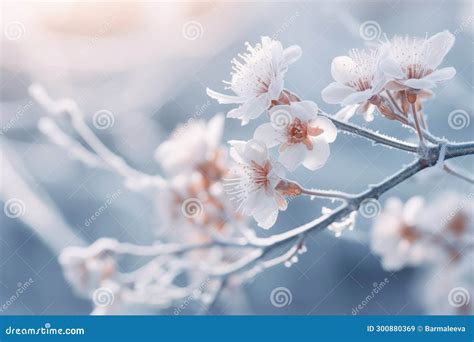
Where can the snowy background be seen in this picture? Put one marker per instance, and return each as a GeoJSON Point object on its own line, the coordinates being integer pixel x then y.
{"type": "Point", "coordinates": [135, 61]}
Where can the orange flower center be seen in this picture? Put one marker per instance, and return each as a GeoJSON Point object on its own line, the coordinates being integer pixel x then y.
{"type": "Point", "coordinates": [300, 132]}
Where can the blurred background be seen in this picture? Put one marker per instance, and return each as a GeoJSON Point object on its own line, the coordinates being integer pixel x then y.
{"type": "Point", "coordinates": [149, 63]}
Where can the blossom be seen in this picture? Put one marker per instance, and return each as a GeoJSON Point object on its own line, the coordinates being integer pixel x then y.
{"type": "Point", "coordinates": [87, 268]}
{"type": "Point", "coordinates": [449, 287]}
{"type": "Point", "coordinates": [412, 62]}
{"type": "Point", "coordinates": [450, 215]}
{"type": "Point", "coordinates": [257, 79]}
{"type": "Point", "coordinates": [194, 146]}
{"type": "Point", "coordinates": [396, 235]}
{"type": "Point", "coordinates": [358, 80]}
{"type": "Point", "coordinates": [190, 213]}
{"type": "Point", "coordinates": [254, 186]}
{"type": "Point", "coordinates": [303, 137]}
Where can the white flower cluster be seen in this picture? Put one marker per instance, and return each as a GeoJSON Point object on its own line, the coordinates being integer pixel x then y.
{"type": "Point", "coordinates": [416, 233]}
{"type": "Point", "coordinates": [193, 199]}
{"type": "Point", "coordinates": [405, 65]}
{"type": "Point", "coordinates": [210, 189]}
{"type": "Point", "coordinates": [301, 135]}
{"type": "Point", "coordinates": [437, 234]}
{"type": "Point", "coordinates": [363, 81]}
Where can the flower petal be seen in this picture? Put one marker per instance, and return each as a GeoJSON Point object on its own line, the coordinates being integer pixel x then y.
{"type": "Point", "coordinates": [237, 150]}
{"type": "Point", "coordinates": [357, 97]}
{"type": "Point", "coordinates": [412, 209]}
{"type": "Point", "coordinates": [225, 99]}
{"type": "Point", "coordinates": [279, 170]}
{"type": "Point", "coordinates": [292, 54]}
{"type": "Point", "coordinates": [215, 128]}
{"type": "Point", "coordinates": [281, 201]}
{"type": "Point", "coordinates": [441, 75]}
{"type": "Point", "coordinates": [336, 93]}
{"type": "Point", "coordinates": [269, 135]}
{"type": "Point", "coordinates": [250, 109]}
{"type": "Point", "coordinates": [276, 86]}
{"type": "Point", "coordinates": [304, 110]}
{"type": "Point", "coordinates": [369, 112]}
{"type": "Point", "coordinates": [255, 151]}
{"type": "Point", "coordinates": [329, 129]}
{"type": "Point", "coordinates": [346, 113]}
{"type": "Point", "coordinates": [267, 217]}
{"type": "Point", "coordinates": [292, 156]}
{"type": "Point", "coordinates": [341, 69]}
{"type": "Point", "coordinates": [318, 156]}
{"type": "Point", "coordinates": [437, 48]}
{"type": "Point", "coordinates": [257, 201]}
{"type": "Point", "coordinates": [422, 83]}
{"type": "Point", "coordinates": [391, 68]}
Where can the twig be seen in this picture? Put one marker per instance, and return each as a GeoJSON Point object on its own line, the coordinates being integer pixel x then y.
{"type": "Point", "coordinates": [135, 178]}
{"type": "Point", "coordinates": [376, 138]}
{"type": "Point", "coordinates": [461, 174]}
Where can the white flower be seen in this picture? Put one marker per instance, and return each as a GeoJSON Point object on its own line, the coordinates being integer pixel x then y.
{"type": "Point", "coordinates": [449, 288]}
{"type": "Point", "coordinates": [192, 146]}
{"type": "Point", "coordinates": [451, 215]}
{"type": "Point", "coordinates": [411, 62]}
{"type": "Point", "coordinates": [86, 268]}
{"type": "Point", "coordinates": [358, 80]}
{"type": "Point", "coordinates": [302, 135]}
{"type": "Point", "coordinates": [189, 212]}
{"type": "Point", "coordinates": [254, 185]}
{"type": "Point", "coordinates": [396, 235]}
{"type": "Point", "coordinates": [257, 80]}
